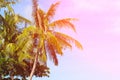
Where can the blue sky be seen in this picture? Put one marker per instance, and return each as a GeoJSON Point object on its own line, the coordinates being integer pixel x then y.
{"type": "Point", "coordinates": [98, 29]}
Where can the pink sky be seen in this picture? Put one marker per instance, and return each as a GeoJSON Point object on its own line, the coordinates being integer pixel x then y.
{"type": "Point", "coordinates": [98, 29]}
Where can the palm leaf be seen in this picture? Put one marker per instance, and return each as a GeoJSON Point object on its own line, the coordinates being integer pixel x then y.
{"type": "Point", "coordinates": [52, 54]}
{"type": "Point", "coordinates": [10, 48]}
{"type": "Point", "coordinates": [68, 38]}
{"type": "Point", "coordinates": [36, 14]}
{"type": "Point", "coordinates": [28, 45]}
{"type": "Point", "coordinates": [30, 29]}
{"type": "Point", "coordinates": [35, 5]}
{"type": "Point", "coordinates": [2, 20]}
{"type": "Point", "coordinates": [51, 11]}
{"type": "Point", "coordinates": [21, 19]}
{"type": "Point", "coordinates": [25, 38]}
{"type": "Point", "coordinates": [20, 43]}
{"type": "Point", "coordinates": [41, 15]}
{"type": "Point", "coordinates": [43, 56]}
{"type": "Point", "coordinates": [22, 56]}
{"type": "Point", "coordinates": [41, 12]}
{"type": "Point", "coordinates": [63, 23]}
{"type": "Point", "coordinates": [52, 40]}
{"type": "Point", "coordinates": [63, 42]}
{"type": "Point", "coordinates": [23, 48]}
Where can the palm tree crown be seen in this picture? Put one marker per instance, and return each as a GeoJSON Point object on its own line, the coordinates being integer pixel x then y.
{"type": "Point", "coordinates": [42, 40]}
{"type": "Point", "coordinates": [50, 42]}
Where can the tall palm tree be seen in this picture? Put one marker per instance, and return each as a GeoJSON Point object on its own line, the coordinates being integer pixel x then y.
{"type": "Point", "coordinates": [43, 39]}
{"type": "Point", "coordinates": [53, 41]}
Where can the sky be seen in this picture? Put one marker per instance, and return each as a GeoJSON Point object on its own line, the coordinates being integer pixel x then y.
{"type": "Point", "coordinates": [98, 30]}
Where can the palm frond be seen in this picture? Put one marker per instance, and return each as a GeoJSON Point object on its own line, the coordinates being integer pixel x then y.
{"type": "Point", "coordinates": [24, 37]}
{"type": "Point", "coordinates": [68, 38]}
{"type": "Point", "coordinates": [23, 47]}
{"type": "Point", "coordinates": [2, 20]}
{"type": "Point", "coordinates": [41, 15]}
{"type": "Point", "coordinates": [51, 11]}
{"type": "Point", "coordinates": [35, 13]}
{"type": "Point", "coordinates": [23, 56]}
{"type": "Point", "coordinates": [43, 55]}
{"type": "Point", "coordinates": [63, 42]}
{"type": "Point", "coordinates": [62, 23]}
{"type": "Point", "coordinates": [20, 43]}
{"type": "Point", "coordinates": [41, 12]}
{"type": "Point", "coordinates": [29, 30]}
{"type": "Point", "coordinates": [10, 48]}
{"type": "Point", "coordinates": [52, 54]}
{"type": "Point", "coordinates": [21, 19]}
{"type": "Point", "coordinates": [51, 39]}
{"type": "Point", "coordinates": [35, 5]}
{"type": "Point", "coordinates": [28, 45]}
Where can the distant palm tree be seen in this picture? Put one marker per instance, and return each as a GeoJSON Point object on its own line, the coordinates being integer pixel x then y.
{"type": "Point", "coordinates": [43, 37]}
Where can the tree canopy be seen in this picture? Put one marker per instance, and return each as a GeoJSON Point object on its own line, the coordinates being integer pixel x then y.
{"type": "Point", "coordinates": [13, 60]}
{"type": "Point", "coordinates": [24, 52]}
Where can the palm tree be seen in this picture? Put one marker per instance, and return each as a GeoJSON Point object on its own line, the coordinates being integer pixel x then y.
{"type": "Point", "coordinates": [45, 39]}
{"type": "Point", "coordinates": [8, 33]}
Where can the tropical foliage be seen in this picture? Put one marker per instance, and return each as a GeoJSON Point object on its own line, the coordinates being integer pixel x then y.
{"type": "Point", "coordinates": [24, 52]}
{"type": "Point", "coordinates": [14, 61]}
{"type": "Point", "coordinates": [52, 42]}
{"type": "Point", "coordinates": [46, 40]}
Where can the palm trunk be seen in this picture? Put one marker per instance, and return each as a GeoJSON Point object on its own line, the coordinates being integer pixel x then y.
{"type": "Point", "coordinates": [37, 20]}
{"type": "Point", "coordinates": [34, 66]}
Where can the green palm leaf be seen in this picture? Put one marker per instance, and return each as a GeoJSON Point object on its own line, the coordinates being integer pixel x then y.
{"type": "Point", "coordinates": [10, 48]}
{"type": "Point", "coordinates": [28, 45]}
{"type": "Point", "coordinates": [25, 39]}
{"type": "Point", "coordinates": [21, 19]}
{"type": "Point", "coordinates": [43, 55]}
